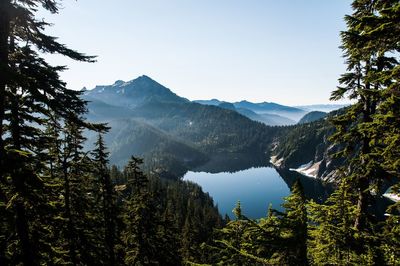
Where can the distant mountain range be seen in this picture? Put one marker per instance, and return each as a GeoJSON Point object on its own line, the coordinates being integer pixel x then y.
{"type": "Point", "coordinates": [312, 116]}
{"type": "Point", "coordinates": [265, 112]}
{"type": "Point", "coordinates": [322, 107]}
{"type": "Point", "coordinates": [174, 134]}
{"type": "Point", "coordinates": [270, 113]}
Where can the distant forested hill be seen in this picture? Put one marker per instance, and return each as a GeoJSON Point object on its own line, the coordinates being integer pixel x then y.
{"type": "Point", "coordinates": [312, 116]}
{"type": "Point", "coordinates": [174, 134]}
{"type": "Point", "coordinates": [269, 113]}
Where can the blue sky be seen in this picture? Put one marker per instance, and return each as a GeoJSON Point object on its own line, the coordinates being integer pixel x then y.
{"type": "Point", "coordinates": [283, 51]}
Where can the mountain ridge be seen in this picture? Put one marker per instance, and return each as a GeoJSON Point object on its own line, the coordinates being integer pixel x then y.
{"type": "Point", "coordinates": [133, 93]}
{"type": "Point", "coordinates": [169, 130]}
{"type": "Point", "coordinates": [161, 126]}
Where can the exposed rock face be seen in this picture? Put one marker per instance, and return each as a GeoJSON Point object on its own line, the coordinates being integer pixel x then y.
{"type": "Point", "coordinates": [307, 150]}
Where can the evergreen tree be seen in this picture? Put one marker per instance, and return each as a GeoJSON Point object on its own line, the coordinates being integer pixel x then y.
{"type": "Point", "coordinates": [369, 57]}
{"type": "Point", "coordinates": [80, 196]}
{"type": "Point", "coordinates": [139, 236]}
{"type": "Point", "coordinates": [332, 231]}
{"type": "Point", "coordinates": [27, 86]}
{"type": "Point", "coordinates": [109, 208]}
{"type": "Point", "coordinates": [295, 226]}
{"type": "Point", "coordinates": [370, 128]}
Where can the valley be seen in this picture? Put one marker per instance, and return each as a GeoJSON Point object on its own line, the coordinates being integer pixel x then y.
{"type": "Point", "coordinates": [221, 167]}
{"type": "Point", "coordinates": [214, 143]}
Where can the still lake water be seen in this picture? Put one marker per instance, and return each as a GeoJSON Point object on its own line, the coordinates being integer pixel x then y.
{"type": "Point", "coordinates": [256, 188]}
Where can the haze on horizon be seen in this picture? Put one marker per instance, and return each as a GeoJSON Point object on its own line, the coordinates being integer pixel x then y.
{"type": "Point", "coordinates": [276, 51]}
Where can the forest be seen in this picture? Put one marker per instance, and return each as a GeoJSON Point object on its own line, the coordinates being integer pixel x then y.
{"type": "Point", "coordinates": [61, 204]}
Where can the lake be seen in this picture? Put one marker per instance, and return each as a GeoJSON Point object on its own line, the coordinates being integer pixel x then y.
{"type": "Point", "coordinates": [255, 187]}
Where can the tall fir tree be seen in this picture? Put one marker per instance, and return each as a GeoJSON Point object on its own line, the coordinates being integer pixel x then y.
{"type": "Point", "coordinates": [370, 55]}
{"type": "Point", "coordinates": [294, 224]}
{"type": "Point", "coordinates": [109, 208]}
{"type": "Point", "coordinates": [27, 86]}
{"type": "Point", "coordinates": [139, 237]}
{"type": "Point", "coordinates": [331, 228]}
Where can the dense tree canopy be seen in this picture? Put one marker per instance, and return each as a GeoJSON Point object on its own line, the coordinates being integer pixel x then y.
{"type": "Point", "coordinates": [63, 204]}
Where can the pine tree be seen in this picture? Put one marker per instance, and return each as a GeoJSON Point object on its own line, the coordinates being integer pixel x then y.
{"type": "Point", "coordinates": [370, 128]}
{"type": "Point", "coordinates": [332, 231]}
{"type": "Point", "coordinates": [295, 226]}
{"type": "Point", "coordinates": [79, 194]}
{"type": "Point", "coordinates": [139, 236]}
{"type": "Point", "coordinates": [109, 208]}
{"type": "Point", "coordinates": [27, 86]}
{"type": "Point", "coordinates": [386, 124]}
{"type": "Point", "coordinates": [369, 57]}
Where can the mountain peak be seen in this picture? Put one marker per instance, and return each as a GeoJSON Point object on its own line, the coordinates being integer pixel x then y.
{"type": "Point", "coordinates": [118, 82]}
{"type": "Point", "coordinates": [144, 77]}
{"type": "Point", "coordinates": [133, 93]}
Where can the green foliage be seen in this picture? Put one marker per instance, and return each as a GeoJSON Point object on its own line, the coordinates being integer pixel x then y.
{"type": "Point", "coordinates": [174, 137]}
{"type": "Point", "coordinates": [372, 56]}
{"type": "Point", "coordinates": [278, 239]}
{"type": "Point", "coordinates": [30, 92]}
{"type": "Point", "coordinates": [60, 204]}
{"type": "Point", "coordinates": [331, 228]}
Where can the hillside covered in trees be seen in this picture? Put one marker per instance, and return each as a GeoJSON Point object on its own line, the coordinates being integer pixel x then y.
{"type": "Point", "coordinates": [62, 203]}
{"type": "Point", "coordinates": [171, 133]}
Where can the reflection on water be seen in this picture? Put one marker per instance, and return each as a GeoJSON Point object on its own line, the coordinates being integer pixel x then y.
{"type": "Point", "coordinates": [232, 162]}
{"type": "Point", "coordinates": [256, 188]}
{"type": "Point", "coordinates": [313, 188]}
{"type": "Point", "coordinates": [244, 177]}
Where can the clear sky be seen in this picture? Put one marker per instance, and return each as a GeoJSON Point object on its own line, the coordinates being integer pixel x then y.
{"type": "Point", "coordinates": [284, 51]}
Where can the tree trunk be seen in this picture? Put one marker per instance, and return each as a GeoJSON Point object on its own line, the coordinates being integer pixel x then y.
{"type": "Point", "coordinates": [70, 225]}
{"type": "Point", "coordinates": [4, 35]}
{"type": "Point", "coordinates": [363, 181]}
{"type": "Point", "coordinates": [109, 218]}
{"type": "Point", "coordinates": [18, 176]}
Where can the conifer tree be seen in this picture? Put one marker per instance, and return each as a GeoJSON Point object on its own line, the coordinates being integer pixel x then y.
{"type": "Point", "coordinates": [332, 231]}
{"type": "Point", "coordinates": [79, 194]}
{"type": "Point", "coordinates": [109, 208]}
{"type": "Point", "coordinates": [371, 55]}
{"type": "Point", "coordinates": [139, 236]}
{"type": "Point", "coordinates": [27, 85]}
{"type": "Point", "coordinates": [370, 128]}
{"type": "Point", "coordinates": [386, 124]}
{"type": "Point", "coordinates": [295, 222]}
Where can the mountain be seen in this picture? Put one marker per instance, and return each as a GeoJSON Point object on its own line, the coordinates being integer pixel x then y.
{"type": "Point", "coordinates": [168, 131]}
{"type": "Point", "coordinates": [263, 107]}
{"type": "Point", "coordinates": [226, 105]}
{"type": "Point", "coordinates": [208, 102]}
{"type": "Point", "coordinates": [209, 128]}
{"type": "Point", "coordinates": [267, 107]}
{"type": "Point", "coordinates": [312, 116]}
{"type": "Point", "coordinates": [271, 114]}
{"type": "Point", "coordinates": [272, 108]}
{"type": "Point", "coordinates": [129, 136]}
{"type": "Point", "coordinates": [132, 93]}
{"type": "Point", "coordinates": [100, 111]}
{"type": "Point", "coordinates": [174, 134]}
{"type": "Point", "coordinates": [306, 148]}
{"type": "Point", "coordinates": [322, 107]}
{"type": "Point", "coordinates": [268, 119]}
